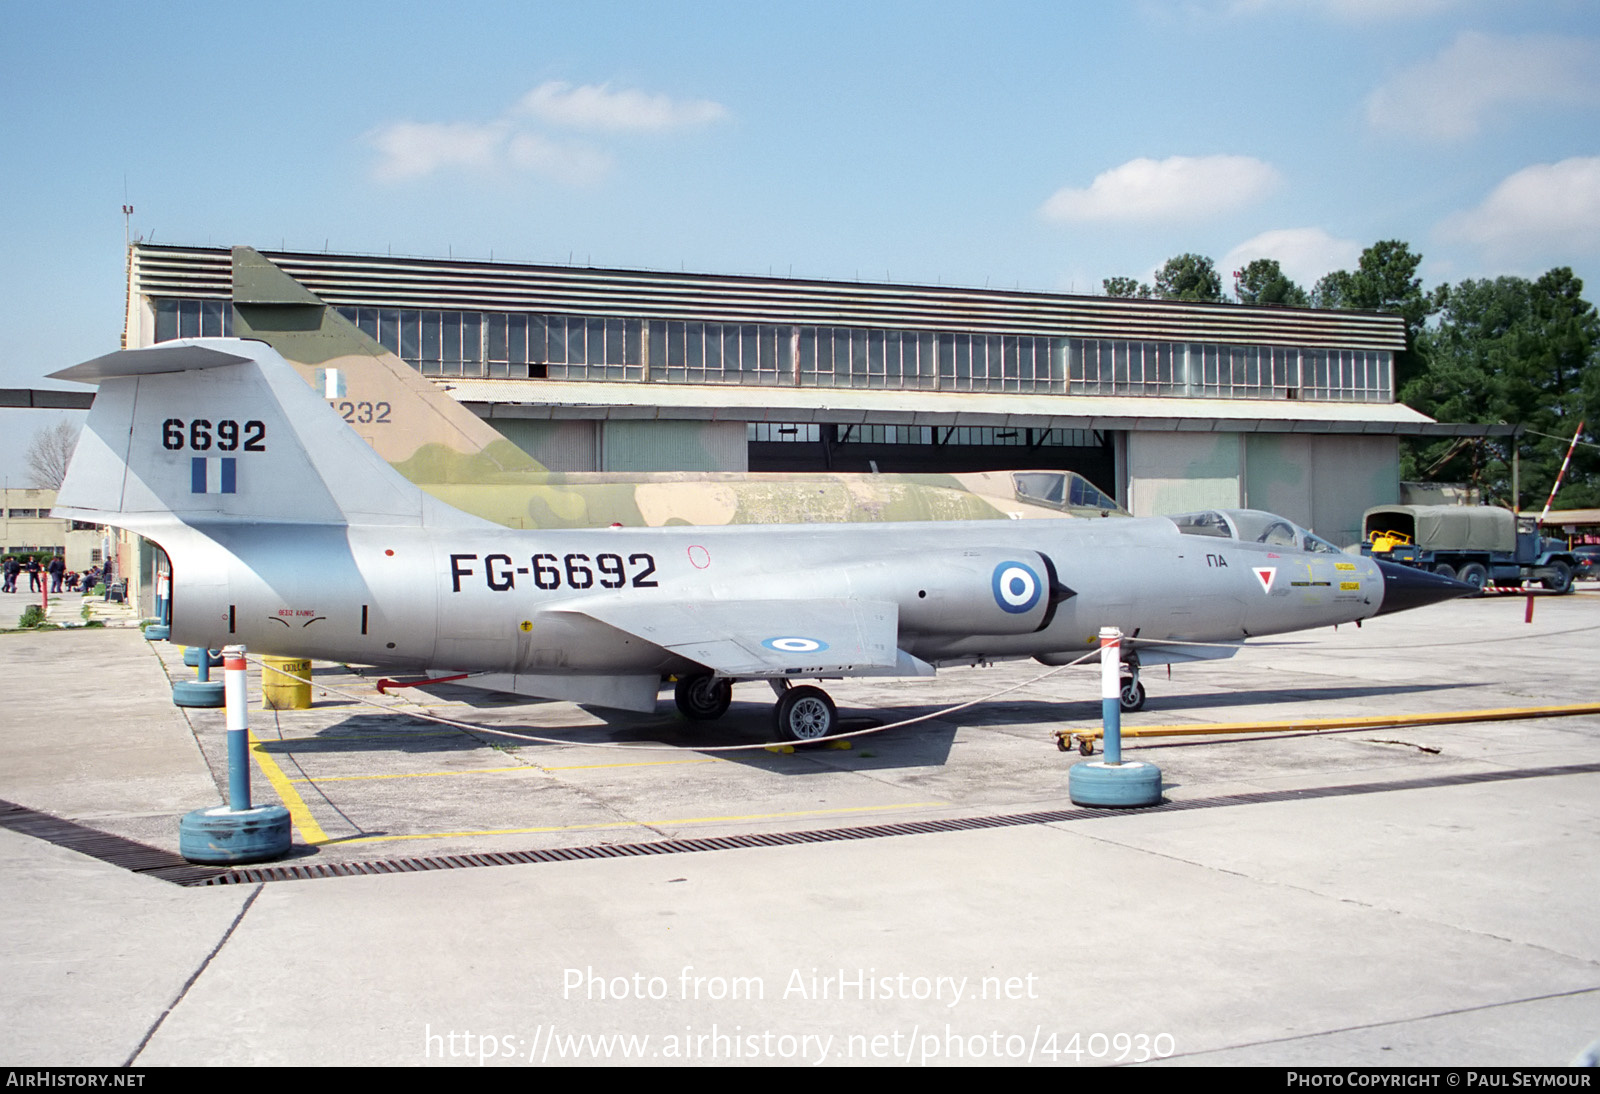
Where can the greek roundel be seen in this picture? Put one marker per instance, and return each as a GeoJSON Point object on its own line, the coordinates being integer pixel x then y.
{"type": "Point", "coordinates": [1017, 587]}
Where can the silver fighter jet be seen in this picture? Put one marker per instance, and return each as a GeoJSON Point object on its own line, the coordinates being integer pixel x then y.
{"type": "Point", "coordinates": [288, 534]}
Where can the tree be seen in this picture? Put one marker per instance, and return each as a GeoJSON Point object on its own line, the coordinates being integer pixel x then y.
{"type": "Point", "coordinates": [49, 452]}
{"type": "Point", "coordinates": [1518, 352]}
{"type": "Point", "coordinates": [1189, 277]}
{"type": "Point", "coordinates": [1385, 280]}
{"type": "Point", "coordinates": [1126, 288]}
{"type": "Point", "coordinates": [1263, 282]}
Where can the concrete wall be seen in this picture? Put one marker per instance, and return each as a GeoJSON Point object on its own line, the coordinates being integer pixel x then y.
{"type": "Point", "coordinates": [1322, 481]}
{"type": "Point", "coordinates": [559, 445]}
{"type": "Point", "coordinates": [674, 446]}
{"type": "Point", "coordinates": [1181, 472]}
{"type": "Point", "coordinates": [630, 445]}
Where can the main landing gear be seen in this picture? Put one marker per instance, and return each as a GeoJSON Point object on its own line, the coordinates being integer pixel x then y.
{"type": "Point", "coordinates": [805, 714]}
{"type": "Point", "coordinates": [802, 714]}
{"type": "Point", "coordinates": [1131, 697]}
{"type": "Point", "coordinates": [703, 697]}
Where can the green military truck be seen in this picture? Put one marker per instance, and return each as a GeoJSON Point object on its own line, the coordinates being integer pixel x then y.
{"type": "Point", "coordinates": [1480, 544]}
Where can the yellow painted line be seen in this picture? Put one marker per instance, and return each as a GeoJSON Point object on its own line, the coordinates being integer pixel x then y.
{"type": "Point", "coordinates": [1312, 725]}
{"type": "Point", "coordinates": [498, 771]}
{"type": "Point", "coordinates": [310, 830]}
{"type": "Point", "coordinates": [639, 824]}
{"type": "Point", "coordinates": [641, 763]}
{"type": "Point", "coordinates": [420, 774]}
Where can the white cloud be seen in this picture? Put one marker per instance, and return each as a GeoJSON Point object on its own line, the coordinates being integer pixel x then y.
{"type": "Point", "coordinates": [514, 144]}
{"type": "Point", "coordinates": [1549, 212]}
{"type": "Point", "coordinates": [1352, 11]}
{"type": "Point", "coordinates": [1450, 96]}
{"type": "Point", "coordinates": [413, 149]}
{"type": "Point", "coordinates": [1305, 254]}
{"type": "Point", "coordinates": [575, 164]}
{"type": "Point", "coordinates": [599, 107]}
{"type": "Point", "coordinates": [1176, 188]}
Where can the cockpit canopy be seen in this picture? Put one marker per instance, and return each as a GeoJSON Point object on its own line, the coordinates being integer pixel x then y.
{"type": "Point", "coordinates": [1252, 526]}
{"type": "Point", "coordinates": [1066, 490]}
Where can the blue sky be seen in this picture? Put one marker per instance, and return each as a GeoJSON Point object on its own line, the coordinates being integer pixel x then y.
{"type": "Point", "coordinates": [1040, 145]}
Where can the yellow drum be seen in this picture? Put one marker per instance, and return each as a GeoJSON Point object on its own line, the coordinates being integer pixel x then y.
{"type": "Point", "coordinates": [285, 692]}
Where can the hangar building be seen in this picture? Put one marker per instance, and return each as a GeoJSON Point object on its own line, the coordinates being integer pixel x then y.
{"type": "Point", "coordinates": [1168, 406]}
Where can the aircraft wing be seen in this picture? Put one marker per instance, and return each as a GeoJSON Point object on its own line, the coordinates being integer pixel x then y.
{"type": "Point", "coordinates": [767, 638]}
{"type": "Point", "coordinates": [1154, 653]}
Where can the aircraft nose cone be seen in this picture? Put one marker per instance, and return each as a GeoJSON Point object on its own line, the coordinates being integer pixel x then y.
{"type": "Point", "coordinates": [1406, 587]}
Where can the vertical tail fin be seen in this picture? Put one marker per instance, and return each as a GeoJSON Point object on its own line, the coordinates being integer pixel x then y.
{"type": "Point", "coordinates": [221, 430]}
{"type": "Point", "coordinates": [421, 431]}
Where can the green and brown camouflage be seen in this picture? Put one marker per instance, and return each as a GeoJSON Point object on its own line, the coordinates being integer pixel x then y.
{"type": "Point", "coordinates": [451, 453]}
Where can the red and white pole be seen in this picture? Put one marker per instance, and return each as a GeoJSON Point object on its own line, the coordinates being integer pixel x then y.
{"type": "Point", "coordinates": [235, 693]}
{"type": "Point", "coordinates": [1111, 692]}
{"type": "Point", "coordinates": [1560, 475]}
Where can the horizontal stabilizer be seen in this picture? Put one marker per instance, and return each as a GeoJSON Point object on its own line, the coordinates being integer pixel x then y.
{"type": "Point", "coordinates": [157, 360]}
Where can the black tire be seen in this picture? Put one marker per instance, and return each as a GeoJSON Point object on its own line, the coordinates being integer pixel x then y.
{"type": "Point", "coordinates": [805, 714]}
{"type": "Point", "coordinates": [702, 697]}
{"type": "Point", "coordinates": [1444, 569]}
{"type": "Point", "coordinates": [1475, 574]}
{"type": "Point", "coordinates": [1558, 577]}
{"type": "Point", "coordinates": [1132, 695]}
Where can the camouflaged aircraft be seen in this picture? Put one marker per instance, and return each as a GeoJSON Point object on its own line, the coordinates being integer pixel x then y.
{"type": "Point", "coordinates": [290, 535]}
{"type": "Point", "coordinates": [451, 453]}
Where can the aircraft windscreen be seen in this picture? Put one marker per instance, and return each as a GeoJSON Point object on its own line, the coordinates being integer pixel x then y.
{"type": "Point", "coordinates": [1085, 493]}
{"type": "Point", "coordinates": [1252, 526]}
{"type": "Point", "coordinates": [1061, 489]}
{"type": "Point", "coordinates": [1046, 486]}
{"type": "Point", "coordinates": [1208, 523]}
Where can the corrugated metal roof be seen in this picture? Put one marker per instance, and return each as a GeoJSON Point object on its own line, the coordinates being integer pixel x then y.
{"type": "Point", "coordinates": [380, 281]}
{"type": "Point", "coordinates": [558, 399]}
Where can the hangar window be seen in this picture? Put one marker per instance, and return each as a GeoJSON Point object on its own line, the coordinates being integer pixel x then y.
{"type": "Point", "coordinates": [784, 432]}
{"type": "Point", "coordinates": [178, 318]}
{"type": "Point", "coordinates": [692, 352]}
{"type": "Point", "coordinates": [529, 345]}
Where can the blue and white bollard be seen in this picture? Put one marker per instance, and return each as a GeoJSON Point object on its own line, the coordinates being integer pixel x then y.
{"type": "Point", "coordinates": [159, 630]}
{"type": "Point", "coordinates": [236, 832]}
{"type": "Point", "coordinates": [1110, 782]}
{"type": "Point", "coordinates": [202, 691]}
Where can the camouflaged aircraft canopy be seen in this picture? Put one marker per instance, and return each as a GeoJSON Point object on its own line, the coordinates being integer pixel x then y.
{"type": "Point", "coordinates": [1446, 527]}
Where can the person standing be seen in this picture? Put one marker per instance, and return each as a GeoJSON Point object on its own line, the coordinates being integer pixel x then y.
{"type": "Point", "coordinates": [58, 570]}
{"type": "Point", "coordinates": [12, 569]}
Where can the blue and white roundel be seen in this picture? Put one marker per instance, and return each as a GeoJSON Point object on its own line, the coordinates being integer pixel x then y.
{"type": "Point", "coordinates": [1016, 587]}
{"type": "Point", "coordinates": [795, 644]}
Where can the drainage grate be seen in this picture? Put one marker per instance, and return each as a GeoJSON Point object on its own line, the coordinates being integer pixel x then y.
{"type": "Point", "coordinates": [169, 867]}
{"type": "Point", "coordinates": [129, 854]}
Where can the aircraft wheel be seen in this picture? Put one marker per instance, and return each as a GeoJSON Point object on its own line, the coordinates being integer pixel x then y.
{"type": "Point", "coordinates": [805, 714]}
{"type": "Point", "coordinates": [1132, 697]}
{"type": "Point", "coordinates": [1474, 574]}
{"type": "Point", "coordinates": [1558, 578]}
{"type": "Point", "coordinates": [1444, 569]}
{"type": "Point", "coordinates": [702, 698]}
